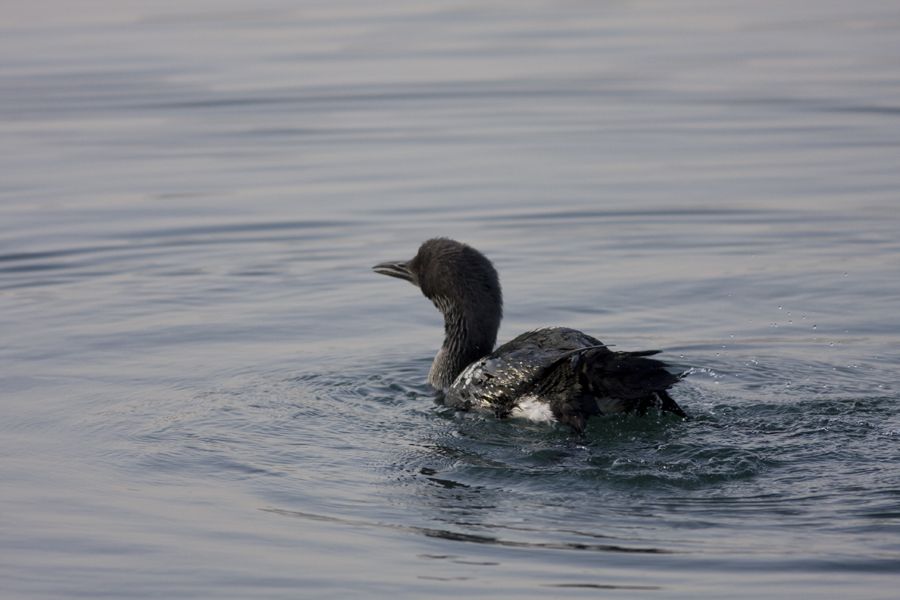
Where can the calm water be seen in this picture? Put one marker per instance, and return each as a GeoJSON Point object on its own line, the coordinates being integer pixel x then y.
{"type": "Point", "coordinates": [206, 393]}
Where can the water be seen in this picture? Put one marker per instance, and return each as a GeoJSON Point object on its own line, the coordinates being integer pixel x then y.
{"type": "Point", "coordinates": [207, 393]}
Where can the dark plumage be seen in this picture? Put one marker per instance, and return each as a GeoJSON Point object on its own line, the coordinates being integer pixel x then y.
{"type": "Point", "coordinates": [561, 371]}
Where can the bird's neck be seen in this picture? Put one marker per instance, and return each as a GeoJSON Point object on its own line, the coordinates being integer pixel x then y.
{"type": "Point", "coordinates": [467, 337]}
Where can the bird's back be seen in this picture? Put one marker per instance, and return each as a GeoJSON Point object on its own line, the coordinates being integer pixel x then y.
{"type": "Point", "coordinates": [509, 372]}
{"type": "Point", "coordinates": [570, 372]}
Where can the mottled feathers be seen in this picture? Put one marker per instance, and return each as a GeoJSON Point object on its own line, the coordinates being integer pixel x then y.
{"type": "Point", "coordinates": [573, 372]}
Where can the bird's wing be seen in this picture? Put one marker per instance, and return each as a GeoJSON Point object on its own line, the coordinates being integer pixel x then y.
{"type": "Point", "coordinates": [498, 380]}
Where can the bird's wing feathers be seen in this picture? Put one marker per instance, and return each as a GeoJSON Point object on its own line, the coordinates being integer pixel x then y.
{"type": "Point", "coordinates": [575, 373]}
{"type": "Point", "coordinates": [499, 379]}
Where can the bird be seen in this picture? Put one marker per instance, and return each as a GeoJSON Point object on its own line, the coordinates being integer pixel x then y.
{"type": "Point", "coordinates": [548, 374]}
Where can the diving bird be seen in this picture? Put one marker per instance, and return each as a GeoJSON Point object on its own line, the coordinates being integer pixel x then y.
{"type": "Point", "coordinates": [548, 374]}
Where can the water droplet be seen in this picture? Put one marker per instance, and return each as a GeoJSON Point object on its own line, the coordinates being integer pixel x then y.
{"type": "Point", "coordinates": [814, 325]}
{"type": "Point", "coordinates": [780, 307]}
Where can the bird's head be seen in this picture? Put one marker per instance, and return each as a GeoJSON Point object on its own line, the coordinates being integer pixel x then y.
{"type": "Point", "coordinates": [450, 274]}
{"type": "Point", "coordinates": [463, 284]}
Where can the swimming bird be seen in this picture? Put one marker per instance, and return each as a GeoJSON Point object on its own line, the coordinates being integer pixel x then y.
{"type": "Point", "coordinates": [554, 373]}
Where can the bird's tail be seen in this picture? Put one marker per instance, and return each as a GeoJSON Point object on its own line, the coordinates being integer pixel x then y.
{"type": "Point", "coordinates": [640, 382]}
{"type": "Point", "coordinates": [667, 404]}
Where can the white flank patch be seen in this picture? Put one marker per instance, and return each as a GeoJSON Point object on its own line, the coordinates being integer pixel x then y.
{"type": "Point", "coordinates": [533, 409]}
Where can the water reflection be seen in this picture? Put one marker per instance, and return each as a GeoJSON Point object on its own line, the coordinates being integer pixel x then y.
{"type": "Point", "coordinates": [469, 538]}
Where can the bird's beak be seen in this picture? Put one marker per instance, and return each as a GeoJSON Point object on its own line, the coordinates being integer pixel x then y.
{"type": "Point", "coordinates": [396, 268]}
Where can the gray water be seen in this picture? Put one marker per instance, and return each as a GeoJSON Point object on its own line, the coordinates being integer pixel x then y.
{"type": "Point", "coordinates": [206, 392]}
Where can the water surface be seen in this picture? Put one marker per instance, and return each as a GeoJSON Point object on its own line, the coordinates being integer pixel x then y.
{"type": "Point", "coordinates": [206, 392]}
